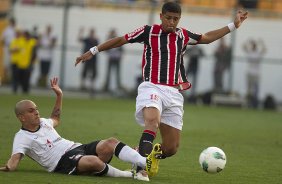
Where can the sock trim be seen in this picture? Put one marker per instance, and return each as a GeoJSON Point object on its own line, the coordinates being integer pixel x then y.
{"type": "Point", "coordinates": [154, 134]}
{"type": "Point", "coordinates": [118, 148]}
{"type": "Point", "coordinates": [103, 172]}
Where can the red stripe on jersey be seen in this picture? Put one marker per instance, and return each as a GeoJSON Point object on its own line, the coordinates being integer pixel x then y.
{"type": "Point", "coordinates": [185, 33]}
{"type": "Point", "coordinates": [155, 62]}
{"type": "Point", "coordinates": [172, 57]}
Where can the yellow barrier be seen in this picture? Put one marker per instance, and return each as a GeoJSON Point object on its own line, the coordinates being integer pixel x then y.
{"type": "Point", "coordinates": [4, 9]}
{"type": "Point", "coordinates": [272, 5]}
{"type": "Point", "coordinates": [3, 24]}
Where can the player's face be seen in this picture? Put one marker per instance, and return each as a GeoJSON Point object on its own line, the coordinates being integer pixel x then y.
{"type": "Point", "coordinates": [30, 114]}
{"type": "Point", "coordinates": [170, 21]}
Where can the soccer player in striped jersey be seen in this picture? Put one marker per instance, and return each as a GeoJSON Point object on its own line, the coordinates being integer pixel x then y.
{"type": "Point", "coordinates": [159, 104]}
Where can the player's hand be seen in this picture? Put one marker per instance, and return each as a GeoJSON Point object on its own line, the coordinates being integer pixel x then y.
{"type": "Point", "coordinates": [6, 168]}
{"type": "Point", "coordinates": [55, 87]}
{"type": "Point", "coordinates": [240, 17]}
{"type": "Point", "coordinates": [84, 57]}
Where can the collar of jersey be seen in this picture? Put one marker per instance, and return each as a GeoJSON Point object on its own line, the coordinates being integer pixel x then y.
{"type": "Point", "coordinates": [30, 130]}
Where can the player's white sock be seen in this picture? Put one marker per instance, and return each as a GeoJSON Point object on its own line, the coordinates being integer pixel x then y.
{"type": "Point", "coordinates": [114, 172]}
{"type": "Point", "coordinates": [127, 154]}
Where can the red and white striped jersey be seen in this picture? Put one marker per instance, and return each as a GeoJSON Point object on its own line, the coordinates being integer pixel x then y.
{"type": "Point", "coordinates": [162, 61]}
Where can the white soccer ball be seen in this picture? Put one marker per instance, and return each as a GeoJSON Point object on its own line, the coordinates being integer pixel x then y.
{"type": "Point", "coordinates": [212, 160]}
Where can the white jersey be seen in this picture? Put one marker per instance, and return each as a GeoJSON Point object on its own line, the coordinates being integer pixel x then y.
{"type": "Point", "coordinates": [8, 35]}
{"type": "Point", "coordinates": [45, 146]}
{"type": "Point", "coordinates": [254, 59]}
{"type": "Point", "coordinates": [45, 51]}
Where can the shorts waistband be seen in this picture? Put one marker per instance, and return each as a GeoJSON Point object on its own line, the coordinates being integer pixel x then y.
{"type": "Point", "coordinates": [163, 85]}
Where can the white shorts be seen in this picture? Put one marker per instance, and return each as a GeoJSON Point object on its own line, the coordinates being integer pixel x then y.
{"type": "Point", "coordinates": [168, 100]}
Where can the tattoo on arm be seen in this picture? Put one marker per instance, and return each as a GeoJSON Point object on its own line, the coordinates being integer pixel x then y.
{"type": "Point", "coordinates": [56, 113]}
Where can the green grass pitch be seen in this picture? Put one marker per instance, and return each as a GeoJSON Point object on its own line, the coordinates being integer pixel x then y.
{"type": "Point", "coordinates": [251, 140]}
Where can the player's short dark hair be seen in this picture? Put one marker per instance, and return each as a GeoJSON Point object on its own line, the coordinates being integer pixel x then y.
{"type": "Point", "coordinates": [171, 7]}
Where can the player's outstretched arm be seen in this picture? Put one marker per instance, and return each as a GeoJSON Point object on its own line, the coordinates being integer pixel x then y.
{"type": "Point", "coordinates": [219, 33]}
{"type": "Point", "coordinates": [12, 163]}
{"type": "Point", "coordinates": [56, 113]}
{"type": "Point", "coordinates": [109, 44]}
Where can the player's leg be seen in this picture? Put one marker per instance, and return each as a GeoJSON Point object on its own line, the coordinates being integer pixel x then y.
{"type": "Point", "coordinates": [92, 165]}
{"type": "Point", "coordinates": [76, 161]}
{"type": "Point", "coordinates": [171, 124]}
{"type": "Point", "coordinates": [152, 121]}
{"type": "Point", "coordinates": [149, 163]}
{"type": "Point", "coordinates": [148, 114]}
{"type": "Point", "coordinates": [148, 108]}
{"type": "Point", "coordinates": [105, 149]}
{"type": "Point", "coordinates": [170, 140]}
{"type": "Point", "coordinates": [151, 117]}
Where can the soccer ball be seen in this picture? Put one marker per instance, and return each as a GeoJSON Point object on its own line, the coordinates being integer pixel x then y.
{"type": "Point", "coordinates": [212, 160]}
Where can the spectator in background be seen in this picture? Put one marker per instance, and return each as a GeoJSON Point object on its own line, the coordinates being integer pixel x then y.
{"type": "Point", "coordinates": [25, 65]}
{"type": "Point", "coordinates": [34, 33]}
{"type": "Point", "coordinates": [46, 45]}
{"type": "Point", "coordinates": [89, 68]}
{"type": "Point", "coordinates": [7, 36]}
{"type": "Point", "coordinates": [194, 53]}
{"type": "Point", "coordinates": [16, 50]}
{"type": "Point", "coordinates": [114, 56]}
{"type": "Point", "coordinates": [255, 51]}
{"type": "Point", "coordinates": [223, 59]}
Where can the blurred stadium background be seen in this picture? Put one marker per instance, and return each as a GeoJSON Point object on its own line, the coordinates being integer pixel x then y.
{"type": "Point", "coordinates": [251, 139]}
{"type": "Point", "coordinates": [68, 16]}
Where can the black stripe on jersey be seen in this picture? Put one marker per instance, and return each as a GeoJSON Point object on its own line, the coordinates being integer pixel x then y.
{"type": "Point", "coordinates": [194, 36]}
{"type": "Point", "coordinates": [146, 34]}
{"type": "Point", "coordinates": [178, 58]}
{"type": "Point", "coordinates": [147, 67]}
{"type": "Point", "coordinates": [164, 57]}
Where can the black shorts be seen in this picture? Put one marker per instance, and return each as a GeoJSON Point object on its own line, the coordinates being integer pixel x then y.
{"type": "Point", "coordinates": [69, 161]}
{"type": "Point", "coordinates": [89, 68]}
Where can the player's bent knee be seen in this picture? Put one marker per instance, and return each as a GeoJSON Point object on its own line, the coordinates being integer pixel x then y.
{"type": "Point", "coordinates": [152, 125]}
{"type": "Point", "coordinates": [112, 141]}
{"type": "Point", "coordinates": [90, 164]}
{"type": "Point", "coordinates": [168, 152]}
{"type": "Point", "coordinates": [109, 145]}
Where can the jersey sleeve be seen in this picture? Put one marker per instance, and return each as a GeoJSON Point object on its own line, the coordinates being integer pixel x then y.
{"type": "Point", "coordinates": [20, 144]}
{"type": "Point", "coordinates": [194, 38]}
{"type": "Point", "coordinates": [138, 35]}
